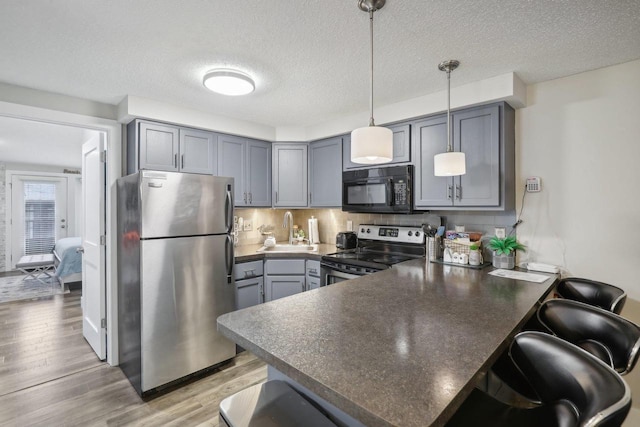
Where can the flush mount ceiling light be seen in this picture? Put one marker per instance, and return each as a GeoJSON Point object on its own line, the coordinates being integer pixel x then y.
{"type": "Point", "coordinates": [451, 163]}
{"type": "Point", "coordinates": [228, 82]}
{"type": "Point", "coordinates": [372, 144]}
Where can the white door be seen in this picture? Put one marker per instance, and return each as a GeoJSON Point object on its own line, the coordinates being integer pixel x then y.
{"type": "Point", "coordinates": [38, 214]}
{"type": "Point", "coordinates": [93, 260]}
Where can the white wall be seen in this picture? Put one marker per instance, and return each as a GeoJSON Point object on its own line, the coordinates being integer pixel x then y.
{"type": "Point", "coordinates": [581, 134]}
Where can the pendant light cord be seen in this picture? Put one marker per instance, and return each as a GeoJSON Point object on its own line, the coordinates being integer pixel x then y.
{"type": "Point", "coordinates": [371, 122]}
{"type": "Point", "coordinates": [449, 148]}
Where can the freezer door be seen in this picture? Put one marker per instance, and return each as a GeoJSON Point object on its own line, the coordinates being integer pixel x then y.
{"type": "Point", "coordinates": [186, 285]}
{"type": "Point", "coordinates": [183, 204]}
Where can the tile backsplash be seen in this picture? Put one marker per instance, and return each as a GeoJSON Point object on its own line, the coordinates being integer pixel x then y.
{"type": "Point", "coordinates": [331, 221]}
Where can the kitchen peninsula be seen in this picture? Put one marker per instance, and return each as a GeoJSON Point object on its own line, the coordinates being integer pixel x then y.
{"type": "Point", "coordinates": [401, 347]}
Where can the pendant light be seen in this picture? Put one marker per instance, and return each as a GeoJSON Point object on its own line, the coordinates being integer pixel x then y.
{"type": "Point", "coordinates": [371, 144]}
{"type": "Point", "coordinates": [451, 163]}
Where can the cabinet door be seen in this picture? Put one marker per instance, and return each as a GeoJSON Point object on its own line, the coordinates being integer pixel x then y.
{"type": "Point", "coordinates": [258, 173]}
{"type": "Point", "coordinates": [401, 147]}
{"type": "Point", "coordinates": [198, 152]}
{"type": "Point", "coordinates": [249, 292]}
{"type": "Point", "coordinates": [313, 282]}
{"type": "Point", "coordinates": [231, 162]}
{"type": "Point", "coordinates": [429, 139]}
{"type": "Point", "coordinates": [290, 175]}
{"type": "Point", "coordinates": [325, 173]}
{"type": "Point", "coordinates": [283, 286]}
{"type": "Point", "coordinates": [477, 134]}
{"type": "Point", "coordinates": [158, 147]}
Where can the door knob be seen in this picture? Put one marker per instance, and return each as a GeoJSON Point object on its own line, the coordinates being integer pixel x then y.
{"type": "Point", "coordinates": [80, 250]}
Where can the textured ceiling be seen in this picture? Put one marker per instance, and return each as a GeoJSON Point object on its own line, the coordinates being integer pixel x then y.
{"type": "Point", "coordinates": [309, 58]}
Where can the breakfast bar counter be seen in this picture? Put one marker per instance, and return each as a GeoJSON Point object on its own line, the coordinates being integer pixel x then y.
{"type": "Point", "coordinates": [400, 347]}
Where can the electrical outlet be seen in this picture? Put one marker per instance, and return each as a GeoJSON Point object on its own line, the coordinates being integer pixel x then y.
{"type": "Point", "coordinates": [349, 225]}
{"type": "Point", "coordinates": [248, 225]}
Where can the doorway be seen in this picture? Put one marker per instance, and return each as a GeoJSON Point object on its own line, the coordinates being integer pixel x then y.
{"type": "Point", "coordinates": [111, 134]}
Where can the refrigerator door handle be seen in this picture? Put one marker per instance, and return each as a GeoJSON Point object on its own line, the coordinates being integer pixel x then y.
{"type": "Point", "coordinates": [229, 258]}
{"type": "Point", "coordinates": [229, 210]}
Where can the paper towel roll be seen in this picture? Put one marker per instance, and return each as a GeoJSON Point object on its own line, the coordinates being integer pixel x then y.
{"type": "Point", "coordinates": [314, 237]}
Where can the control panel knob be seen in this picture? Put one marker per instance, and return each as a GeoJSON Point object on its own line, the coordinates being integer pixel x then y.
{"type": "Point", "coordinates": [411, 234]}
{"type": "Point", "coordinates": [417, 234]}
{"type": "Point", "coordinates": [362, 230]}
{"type": "Point", "coordinates": [368, 230]}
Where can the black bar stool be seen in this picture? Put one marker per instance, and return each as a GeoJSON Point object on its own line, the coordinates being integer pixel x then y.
{"type": "Point", "coordinates": [575, 389]}
{"type": "Point", "coordinates": [599, 294]}
{"type": "Point", "coordinates": [611, 338]}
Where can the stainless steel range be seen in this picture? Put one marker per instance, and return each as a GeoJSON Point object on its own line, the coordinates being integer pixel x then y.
{"type": "Point", "coordinates": [379, 247]}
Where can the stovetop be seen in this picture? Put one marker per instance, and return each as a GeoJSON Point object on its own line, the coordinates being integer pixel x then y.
{"type": "Point", "coordinates": [381, 246]}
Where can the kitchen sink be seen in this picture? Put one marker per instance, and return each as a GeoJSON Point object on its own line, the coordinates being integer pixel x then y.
{"type": "Point", "coordinates": [289, 248]}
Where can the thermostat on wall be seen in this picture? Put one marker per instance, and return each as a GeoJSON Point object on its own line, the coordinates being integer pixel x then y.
{"type": "Point", "coordinates": [533, 184]}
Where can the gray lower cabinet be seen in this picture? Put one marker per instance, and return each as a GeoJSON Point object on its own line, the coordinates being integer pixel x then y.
{"type": "Point", "coordinates": [284, 277]}
{"type": "Point", "coordinates": [312, 274]}
{"type": "Point", "coordinates": [158, 146]}
{"type": "Point", "coordinates": [290, 175]}
{"type": "Point", "coordinates": [248, 161]}
{"type": "Point", "coordinates": [249, 284]}
{"type": "Point", "coordinates": [401, 147]}
{"type": "Point", "coordinates": [325, 173]}
{"type": "Point", "coordinates": [487, 137]}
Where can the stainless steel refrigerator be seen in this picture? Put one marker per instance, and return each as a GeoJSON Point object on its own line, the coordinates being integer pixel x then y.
{"type": "Point", "coordinates": [175, 274]}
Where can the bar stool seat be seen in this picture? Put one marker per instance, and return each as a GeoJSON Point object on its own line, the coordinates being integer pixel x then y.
{"type": "Point", "coordinates": [272, 404]}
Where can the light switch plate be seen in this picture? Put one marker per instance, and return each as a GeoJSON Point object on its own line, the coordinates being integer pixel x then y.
{"type": "Point", "coordinates": [248, 225]}
{"type": "Point", "coordinates": [349, 225]}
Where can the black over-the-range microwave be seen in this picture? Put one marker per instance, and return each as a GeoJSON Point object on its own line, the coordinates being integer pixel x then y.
{"type": "Point", "coordinates": [378, 190]}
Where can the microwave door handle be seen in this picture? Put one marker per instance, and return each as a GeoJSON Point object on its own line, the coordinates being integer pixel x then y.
{"type": "Point", "coordinates": [390, 194]}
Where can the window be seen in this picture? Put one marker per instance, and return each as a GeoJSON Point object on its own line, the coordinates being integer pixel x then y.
{"type": "Point", "coordinates": [39, 217]}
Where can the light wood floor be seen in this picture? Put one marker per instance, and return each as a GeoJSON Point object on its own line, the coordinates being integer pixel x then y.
{"type": "Point", "coordinates": [49, 376]}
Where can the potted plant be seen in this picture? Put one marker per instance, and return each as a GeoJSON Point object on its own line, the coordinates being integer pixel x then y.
{"type": "Point", "coordinates": [504, 251]}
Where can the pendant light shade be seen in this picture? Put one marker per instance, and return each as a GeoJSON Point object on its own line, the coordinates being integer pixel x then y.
{"type": "Point", "coordinates": [451, 163]}
{"type": "Point", "coordinates": [372, 144]}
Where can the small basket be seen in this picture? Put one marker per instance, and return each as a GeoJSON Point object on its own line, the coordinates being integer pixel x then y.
{"type": "Point", "coordinates": [460, 247]}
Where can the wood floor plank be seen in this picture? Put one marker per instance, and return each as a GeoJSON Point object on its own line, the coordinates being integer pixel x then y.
{"type": "Point", "coordinates": [49, 376]}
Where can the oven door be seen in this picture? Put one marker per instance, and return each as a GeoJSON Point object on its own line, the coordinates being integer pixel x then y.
{"type": "Point", "coordinates": [368, 195]}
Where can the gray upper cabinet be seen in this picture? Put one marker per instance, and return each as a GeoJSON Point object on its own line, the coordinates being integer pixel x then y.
{"type": "Point", "coordinates": [325, 173]}
{"type": "Point", "coordinates": [487, 137]}
{"type": "Point", "coordinates": [248, 161]}
{"type": "Point", "coordinates": [290, 175]}
{"type": "Point", "coordinates": [163, 147]}
{"type": "Point", "coordinates": [231, 162]}
{"type": "Point", "coordinates": [401, 147]}
{"type": "Point", "coordinates": [259, 173]}
{"type": "Point", "coordinates": [198, 151]}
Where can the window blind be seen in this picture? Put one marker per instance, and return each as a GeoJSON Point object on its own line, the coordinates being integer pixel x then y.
{"type": "Point", "coordinates": [39, 217]}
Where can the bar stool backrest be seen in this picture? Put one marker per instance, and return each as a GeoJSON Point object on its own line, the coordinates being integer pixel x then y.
{"type": "Point", "coordinates": [594, 293]}
{"type": "Point", "coordinates": [610, 337]}
{"type": "Point", "coordinates": [560, 372]}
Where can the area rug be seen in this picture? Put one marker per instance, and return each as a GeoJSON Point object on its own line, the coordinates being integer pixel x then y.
{"type": "Point", "coordinates": [13, 288]}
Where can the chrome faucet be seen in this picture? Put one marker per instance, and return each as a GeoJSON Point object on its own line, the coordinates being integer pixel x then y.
{"type": "Point", "coordinates": [289, 216]}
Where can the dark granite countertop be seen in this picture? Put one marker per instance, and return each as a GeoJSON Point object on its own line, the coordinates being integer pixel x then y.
{"type": "Point", "coordinates": [248, 253]}
{"type": "Point", "coordinates": [400, 347]}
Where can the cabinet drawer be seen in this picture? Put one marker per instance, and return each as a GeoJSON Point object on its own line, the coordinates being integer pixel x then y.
{"type": "Point", "coordinates": [246, 270]}
{"type": "Point", "coordinates": [285, 266]}
{"type": "Point", "coordinates": [249, 292]}
{"type": "Point", "coordinates": [313, 268]}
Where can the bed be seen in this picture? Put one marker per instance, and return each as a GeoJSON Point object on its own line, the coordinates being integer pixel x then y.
{"type": "Point", "coordinates": [67, 260]}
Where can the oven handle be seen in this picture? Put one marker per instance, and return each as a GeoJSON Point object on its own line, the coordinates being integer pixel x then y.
{"type": "Point", "coordinates": [333, 268]}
